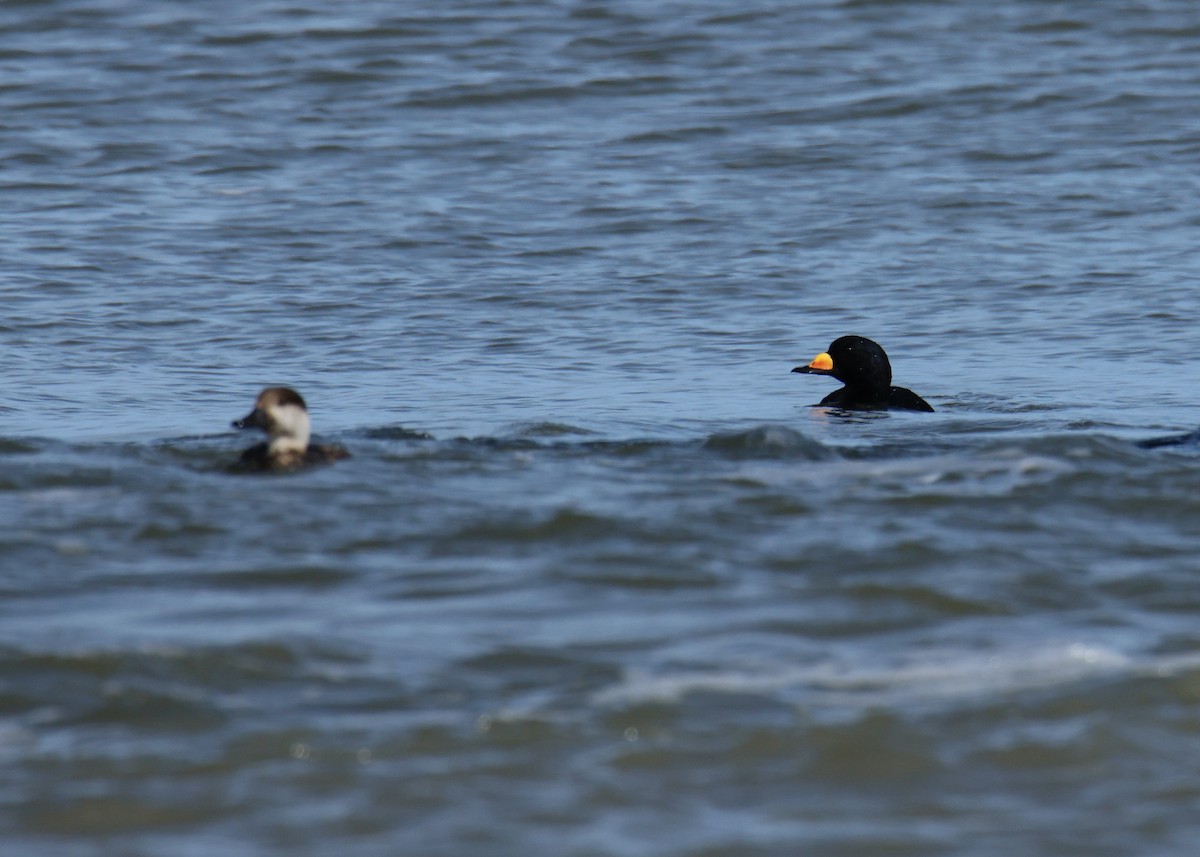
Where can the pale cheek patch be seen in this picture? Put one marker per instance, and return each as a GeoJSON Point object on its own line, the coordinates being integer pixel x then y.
{"type": "Point", "coordinates": [289, 428]}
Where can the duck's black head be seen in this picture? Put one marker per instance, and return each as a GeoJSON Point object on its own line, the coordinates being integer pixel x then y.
{"type": "Point", "coordinates": [857, 362]}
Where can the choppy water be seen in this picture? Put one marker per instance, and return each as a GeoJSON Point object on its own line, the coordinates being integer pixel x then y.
{"type": "Point", "coordinates": [597, 581]}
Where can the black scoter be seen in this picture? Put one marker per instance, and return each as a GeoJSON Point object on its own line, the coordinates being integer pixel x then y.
{"type": "Point", "coordinates": [863, 367]}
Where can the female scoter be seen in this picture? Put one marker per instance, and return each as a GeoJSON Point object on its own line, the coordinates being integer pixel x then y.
{"type": "Point", "coordinates": [863, 367]}
{"type": "Point", "coordinates": [282, 414]}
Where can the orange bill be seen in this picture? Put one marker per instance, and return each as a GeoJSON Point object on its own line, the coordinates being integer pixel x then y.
{"type": "Point", "coordinates": [822, 364]}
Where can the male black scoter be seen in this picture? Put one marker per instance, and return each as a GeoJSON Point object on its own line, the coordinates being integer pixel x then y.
{"type": "Point", "coordinates": [282, 414]}
{"type": "Point", "coordinates": [864, 368]}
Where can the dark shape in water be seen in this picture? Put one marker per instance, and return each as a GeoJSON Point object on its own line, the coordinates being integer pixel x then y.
{"type": "Point", "coordinates": [864, 368]}
{"type": "Point", "coordinates": [1173, 440]}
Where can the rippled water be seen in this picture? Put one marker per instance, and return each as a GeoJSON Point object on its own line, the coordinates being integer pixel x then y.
{"type": "Point", "coordinates": [597, 581]}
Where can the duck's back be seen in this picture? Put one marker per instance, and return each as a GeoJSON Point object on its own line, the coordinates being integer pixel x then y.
{"type": "Point", "coordinates": [260, 457]}
{"type": "Point", "coordinates": [325, 453]}
{"type": "Point", "coordinates": [899, 398]}
{"type": "Point", "coordinates": [905, 399]}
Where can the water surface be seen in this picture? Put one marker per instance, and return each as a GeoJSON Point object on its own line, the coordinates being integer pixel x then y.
{"type": "Point", "coordinates": [597, 580]}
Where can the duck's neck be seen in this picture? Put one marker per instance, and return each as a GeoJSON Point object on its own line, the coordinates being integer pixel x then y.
{"type": "Point", "coordinates": [288, 445]}
{"type": "Point", "coordinates": [291, 432]}
{"type": "Point", "coordinates": [869, 392]}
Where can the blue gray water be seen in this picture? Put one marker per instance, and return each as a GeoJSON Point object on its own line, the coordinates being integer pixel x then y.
{"type": "Point", "coordinates": [598, 580]}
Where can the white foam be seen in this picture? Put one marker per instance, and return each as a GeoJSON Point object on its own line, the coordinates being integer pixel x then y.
{"type": "Point", "coordinates": [927, 675]}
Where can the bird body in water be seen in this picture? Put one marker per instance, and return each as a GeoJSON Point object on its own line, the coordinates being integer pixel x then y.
{"type": "Point", "coordinates": [864, 368]}
{"type": "Point", "coordinates": [283, 415]}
